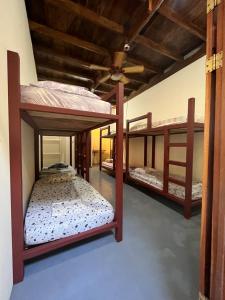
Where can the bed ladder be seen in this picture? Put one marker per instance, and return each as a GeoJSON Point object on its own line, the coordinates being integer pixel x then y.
{"type": "Point", "coordinates": [83, 154]}
{"type": "Point", "coordinates": [188, 164]}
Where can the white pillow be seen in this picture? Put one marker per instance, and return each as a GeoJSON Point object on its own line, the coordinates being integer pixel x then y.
{"type": "Point", "coordinates": [66, 88]}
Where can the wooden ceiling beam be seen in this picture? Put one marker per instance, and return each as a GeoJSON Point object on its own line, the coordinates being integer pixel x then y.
{"type": "Point", "coordinates": [87, 14]}
{"type": "Point", "coordinates": [63, 58]}
{"type": "Point", "coordinates": [61, 73]}
{"type": "Point", "coordinates": [182, 22]}
{"type": "Point", "coordinates": [148, 43]}
{"type": "Point", "coordinates": [151, 9]}
{"type": "Point", "coordinates": [67, 38]}
{"type": "Point", "coordinates": [190, 58]}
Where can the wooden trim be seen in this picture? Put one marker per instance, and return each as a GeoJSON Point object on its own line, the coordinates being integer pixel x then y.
{"type": "Point", "coordinates": [15, 164]}
{"type": "Point", "coordinates": [52, 246]}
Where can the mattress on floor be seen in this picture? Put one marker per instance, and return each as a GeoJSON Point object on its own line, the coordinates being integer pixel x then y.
{"type": "Point", "coordinates": [64, 209]}
{"type": "Point", "coordinates": [57, 98]}
{"type": "Point", "coordinates": [177, 120]}
{"type": "Point", "coordinates": [154, 178]}
{"type": "Point", "coordinates": [46, 171]}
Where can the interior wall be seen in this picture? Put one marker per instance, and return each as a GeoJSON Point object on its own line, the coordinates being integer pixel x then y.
{"type": "Point", "coordinates": [15, 36]}
{"type": "Point", "coordinates": [169, 99]}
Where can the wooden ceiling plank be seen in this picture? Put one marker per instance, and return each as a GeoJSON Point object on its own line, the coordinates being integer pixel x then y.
{"type": "Point", "coordinates": [200, 51]}
{"type": "Point", "coordinates": [87, 14]}
{"type": "Point", "coordinates": [182, 22]}
{"type": "Point", "coordinates": [148, 43]}
{"type": "Point", "coordinates": [67, 38]}
{"type": "Point", "coordinates": [150, 12]}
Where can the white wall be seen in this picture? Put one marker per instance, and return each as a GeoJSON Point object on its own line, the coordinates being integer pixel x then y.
{"type": "Point", "coordinates": [14, 35]}
{"type": "Point", "coordinates": [169, 99]}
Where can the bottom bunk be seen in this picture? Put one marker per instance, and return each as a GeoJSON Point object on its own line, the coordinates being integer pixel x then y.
{"type": "Point", "coordinates": [62, 206]}
{"type": "Point", "coordinates": [108, 165]}
{"type": "Point", "coordinates": [153, 179]}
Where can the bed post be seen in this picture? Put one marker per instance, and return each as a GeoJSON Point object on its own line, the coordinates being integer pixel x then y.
{"type": "Point", "coordinates": [113, 152]}
{"type": "Point", "coordinates": [41, 150]}
{"type": "Point", "coordinates": [119, 163]}
{"type": "Point", "coordinates": [145, 150]}
{"type": "Point", "coordinates": [87, 154]}
{"type": "Point", "coordinates": [100, 150]}
{"type": "Point", "coordinates": [166, 161]}
{"type": "Point", "coordinates": [153, 152]}
{"type": "Point", "coordinates": [71, 160]}
{"type": "Point", "coordinates": [15, 164]}
{"type": "Point", "coordinates": [189, 157]}
{"type": "Point", "coordinates": [36, 153]}
{"type": "Point", "coordinates": [127, 150]}
{"type": "Point", "coordinates": [75, 153]}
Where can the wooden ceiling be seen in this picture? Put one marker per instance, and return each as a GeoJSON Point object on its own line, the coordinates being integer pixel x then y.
{"type": "Point", "coordinates": [68, 36]}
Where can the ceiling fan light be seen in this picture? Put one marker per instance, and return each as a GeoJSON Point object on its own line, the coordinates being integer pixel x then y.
{"type": "Point", "coordinates": [116, 76]}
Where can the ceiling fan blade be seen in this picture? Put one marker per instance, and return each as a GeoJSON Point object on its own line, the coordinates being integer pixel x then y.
{"type": "Point", "coordinates": [103, 79]}
{"type": "Point", "coordinates": [98, 68]}
{"type": "Point", "coordinates": [119, 58]}
{"type": "Point", "coordinates": [124, 80]}
{"type": "Point", "coordinates": [133, 69]}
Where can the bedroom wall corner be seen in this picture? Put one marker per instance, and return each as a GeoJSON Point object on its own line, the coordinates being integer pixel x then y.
{"type": "Point", "coordinates": [14, 36]}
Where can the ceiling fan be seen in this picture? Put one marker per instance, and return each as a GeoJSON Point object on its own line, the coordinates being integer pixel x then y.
{"type": "Point", "coordinates": [117, 72]}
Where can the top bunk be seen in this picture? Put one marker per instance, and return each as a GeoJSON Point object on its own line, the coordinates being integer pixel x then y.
{"type": "Point", "coordinates": [60, 108]}
{"type": "Point", "coordinates": [143, 125]}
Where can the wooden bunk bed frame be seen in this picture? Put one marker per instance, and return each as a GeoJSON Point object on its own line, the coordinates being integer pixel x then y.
{"type": "Point", "coordinates": [87, 121]}
{"type": "Point", "coordinates": [189, 127]}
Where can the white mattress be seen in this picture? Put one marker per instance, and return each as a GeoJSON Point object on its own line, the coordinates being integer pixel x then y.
{"type": "Point", "coordinates": [110, 165]}
{"type": "Point", "coordinates": [57, 98]}
{"type": "Point", "coordinates": [46, 172]}
{"type": "Point", "coordinates": [178, 120]}
{"type": "Point", "coordinates": [64, 209]}
{"type": "Point", "coordinates": [154, 178]}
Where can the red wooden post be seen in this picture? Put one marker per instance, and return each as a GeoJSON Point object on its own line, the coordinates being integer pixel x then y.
{"type": "Point", "coordinates": [145, 150]}
{"type": "Point", "coordinates": [189, 158]}
{"type": "Point", "coordinates": [119, 162]}
{"type": "Point", "coordinates": [166, 161]}
{"type": "Point", "coordinates": [114, 152]}
{"type": "Point", "coordinates": [36, 153]}
{"type": "Point", "coordinates": [41, 150]}
{"type": "Point", "coordinates": [15, 165]}
{"type": "Point", "coordinates": [87, 158]}
{"type": "Point", "coordinates": [153, 151]}
{"type": "Point", "coordinates": [100, 150]}
{"type": "Point", "coordinates": [71, 159]}
{"type": "Point", "coordinates": [127, 150]}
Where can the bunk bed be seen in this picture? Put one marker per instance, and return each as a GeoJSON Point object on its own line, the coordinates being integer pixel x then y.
{"type": "Point", "coordinates": [109, 163]}
{"type": "Point", "coordinates": [182, 190]}
{"type": "Point", "coordinates": [42, 108]}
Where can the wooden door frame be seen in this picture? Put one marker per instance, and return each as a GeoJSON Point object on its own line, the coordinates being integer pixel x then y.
{"type": "Point", "coordinates": [212, 260]}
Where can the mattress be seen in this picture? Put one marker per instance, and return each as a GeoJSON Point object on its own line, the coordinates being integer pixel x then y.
{"type": "Point", "coordinates": [109, 165]}
{"type": "Point", "coordinates": [178, 120]}
{"type": "Point", "coordinates": [154, 178]}
{"type": "Point", "coordinates": [46, 172]}
{"type": "Point", "coordinates": [58, 98]}
{"type": "Point", "coordinates": [64, 209]}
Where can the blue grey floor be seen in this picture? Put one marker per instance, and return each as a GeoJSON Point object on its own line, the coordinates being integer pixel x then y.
{"type": "Point", "coordinates": [157, 259]}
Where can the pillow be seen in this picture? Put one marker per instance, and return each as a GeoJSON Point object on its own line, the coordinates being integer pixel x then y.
{"type": "Point", "coordinates": [58, 166]}
{"type": "Point", "coordinates": [66, 88]}
{"type": "Point", "coordinates": [58, 178]}
{"type": "Point", "coordinates": [109, 160]}
{"type": "Point", "coordinates": [139, 170]}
